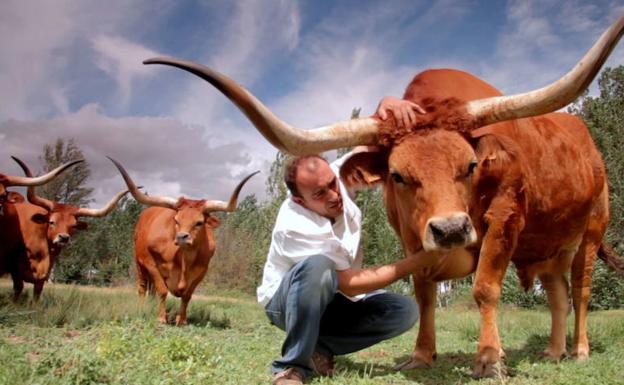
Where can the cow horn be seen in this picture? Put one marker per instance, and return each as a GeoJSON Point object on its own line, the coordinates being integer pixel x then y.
{"type": "Point", "coordinates": [161, 201]}
{"type": "Point", "coordinates": [231, 205]}
{"type": "Point", "coordinates": [102, 212]}
{"type": "Point", "coordinates": [37, 181]}
{"type": "Point", "coordinates": [31, 195]}
{"type": "Point", "coordinates": [555, 95]}
{"type": "Point", "coordinates": [282, 135]}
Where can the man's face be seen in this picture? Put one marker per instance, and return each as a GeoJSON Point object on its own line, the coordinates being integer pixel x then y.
{"type": "Point", "coordinates": [319, 188]}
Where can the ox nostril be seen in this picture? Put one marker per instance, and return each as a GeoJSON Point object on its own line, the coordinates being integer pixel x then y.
{"type": "Point", "coordinates": [63, 237]}
{"type": "Point", "coordinates": [437, 230]}
{"type": "Point", "coordinates": [183, 237]}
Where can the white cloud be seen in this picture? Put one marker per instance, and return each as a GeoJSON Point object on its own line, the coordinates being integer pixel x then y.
{"type": "Point", "coordinates": [122, 60]}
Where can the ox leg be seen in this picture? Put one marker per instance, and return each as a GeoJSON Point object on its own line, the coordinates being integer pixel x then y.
{"type": "Point", "coordinates": [496, 251]}
{"type": "Point", "coordinates": [158, 285]}
{"type": "Point", "coordinates": [181, 317]}
{"type": "Point", "coordinates": [556, 287]}
{"type": "Point", "coordinates": [18, 286]}
{"type": "Point", "coordinates": [37, 289]}
{"type": "Point", "coordinates": [425, 349]}
{"type": "Point", "coordinates": [582, 268]}
{"type": "Point", "coordinates": [142, 281]}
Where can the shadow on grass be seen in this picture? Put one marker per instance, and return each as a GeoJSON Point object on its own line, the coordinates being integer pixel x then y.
{"type": "Point", "coordinates": [456, 367]}
{"type": "Point", "coordinates": [202, 316]}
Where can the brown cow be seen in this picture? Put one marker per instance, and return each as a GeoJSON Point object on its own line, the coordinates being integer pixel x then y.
{"type": "Point", "coordinates": [530, 190]}
{"type": "Point", "coordinates": [45, 222]}
{"type": "Point", "coordinates": [174, 242]}
{"type": "Point", "coordinates": [63, 218]}
{"type": "Point", "coordinates": [10, 235]}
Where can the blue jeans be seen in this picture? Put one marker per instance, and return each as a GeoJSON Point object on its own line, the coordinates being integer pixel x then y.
{"type": "Point", "coordinates": [318, 318]}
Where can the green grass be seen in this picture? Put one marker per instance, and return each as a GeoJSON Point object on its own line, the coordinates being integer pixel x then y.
{"type": "Point", "coordinates": [103, 336]}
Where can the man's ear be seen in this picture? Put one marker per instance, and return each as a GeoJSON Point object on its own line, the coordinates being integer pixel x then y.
{"type": "Point", "coordinates": [297, 200]}
{"type": "Point", "coordinates": [81, 225]}
{"type": "Point", "coordinates": [364, 169]}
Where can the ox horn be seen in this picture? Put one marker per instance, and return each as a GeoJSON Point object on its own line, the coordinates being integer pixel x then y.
{"type": "Point", "coordinates": [36, 181]}
{"type": "Point", "coordinates": [231, 205]}
{"type": "Point", "coordinates": [290, 139]}
{"type": "Point", "coordinates": [31, 195]}
{"type": "Point", "coordinates": [161, 201]}
{"type": "Point", "coordinates": [555, 95]}
{"type": "Point", "coordinates": [104, 211]}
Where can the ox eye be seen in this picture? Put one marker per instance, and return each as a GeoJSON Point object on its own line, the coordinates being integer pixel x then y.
{"type": "Point", "coordinates": [397, 178]}
{"type": "Point", "coordinates": [51, 222]}
{"type": "Point", "coordinates": [199, 223]}
{"type": "Point", "coordinates": [471, 168]}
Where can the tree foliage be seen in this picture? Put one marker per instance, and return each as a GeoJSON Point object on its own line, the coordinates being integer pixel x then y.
{"type": "Point", "coordinates": [68, 187]}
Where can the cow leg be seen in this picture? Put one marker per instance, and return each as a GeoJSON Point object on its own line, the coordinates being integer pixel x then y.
{"type": "Point", "coordinates": [142, 281]}
{"type": "Point", "coordinates": [181, 317]}
{"type": "Point", "coordinates": [582, 268]}
{"type": "Point", "coordinates": [425, 349]}
{"type": "Point", "coordinates": [18, 286]}
{"type": "Point", "coordinates": [498, 246]}
{"type": "Point", "coordinates": [556, 287]}
{"type": "Point", "coordinates": [37, 289]}
{"type": "Point", "coordinates": [159, 286]}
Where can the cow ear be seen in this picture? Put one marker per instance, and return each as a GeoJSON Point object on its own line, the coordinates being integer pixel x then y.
{"type": "Point", "coordinates": [81, 225]}
{"type": "Point", "coordinates": [213, 222]}
{"type": "Point", "coordinates": [364, 169]}
{"type": "Point", "coordinates": [39, 218]}
{"type": "Point", "coordinates": [14, 197]}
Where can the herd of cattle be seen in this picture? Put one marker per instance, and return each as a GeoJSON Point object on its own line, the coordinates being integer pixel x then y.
{"type": "Point", "coordinates": [482, 181]}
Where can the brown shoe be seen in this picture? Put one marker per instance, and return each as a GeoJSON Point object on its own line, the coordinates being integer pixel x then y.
{"type": "Point", "coordinates": [323, 365]}
{"type": "Point", "coordinates": [289, 376]}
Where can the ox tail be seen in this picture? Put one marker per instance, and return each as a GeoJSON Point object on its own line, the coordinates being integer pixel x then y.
{"type": "Point", "coordinates": [610, 258]}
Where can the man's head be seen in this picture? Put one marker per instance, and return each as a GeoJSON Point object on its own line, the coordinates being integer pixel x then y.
{"type": "Point", "coordinates": [314, 185]}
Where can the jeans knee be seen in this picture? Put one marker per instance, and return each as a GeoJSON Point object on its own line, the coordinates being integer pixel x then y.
{"type": "Point", "coordinates": [406, 314]}
{"type": "Point", "coordinates": [319, 274]}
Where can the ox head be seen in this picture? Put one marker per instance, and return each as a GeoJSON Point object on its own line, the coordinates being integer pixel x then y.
{"type": "Point", "coordinates": [63, 219]}
{"type": "Point", "coordinates": [427, 174]}
{"type": "Point", "coordinates": [191, 216]}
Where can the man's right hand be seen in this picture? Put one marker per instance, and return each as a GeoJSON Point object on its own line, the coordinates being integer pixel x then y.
{"type": "Point", "coordinates": [404, 111]}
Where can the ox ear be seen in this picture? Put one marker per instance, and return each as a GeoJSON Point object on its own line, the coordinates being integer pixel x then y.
{"type": "Point", "coordinates": [41, 219]}
{"type": "Point", "coordinates": [213, 221]}
{"type": "Point", "coordinates": [364, 169]}
{"type": "Point", "coordinates": [81, 225]}
{"type": "Point", "coordinates": [14, 197]}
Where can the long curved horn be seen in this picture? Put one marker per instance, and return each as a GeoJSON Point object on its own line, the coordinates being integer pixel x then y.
{"type": "Point", "coordinates": [161, 201]}
{"type": "Point", "coordinates": [231, 205]}
{"type": "Point", "coordinates": [282, 135]}
{"type": "Point", "coordinates": [555, 95]}
{"type": "Point", "coordinates": [85, 212]}
{"type": "Point", "coordinates": [31, 195]}
{"type": "Point", "coordinates": [37, 181]}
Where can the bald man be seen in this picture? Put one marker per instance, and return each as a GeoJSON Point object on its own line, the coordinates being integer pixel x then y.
{"type": "Point", "coordinates": [314, 286]}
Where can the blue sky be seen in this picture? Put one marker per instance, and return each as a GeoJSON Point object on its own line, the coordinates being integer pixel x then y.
{"type": "Point", "coordinates": [72, 68]}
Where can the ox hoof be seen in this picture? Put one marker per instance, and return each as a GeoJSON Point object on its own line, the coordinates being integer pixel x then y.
{"type": "Point", "coordinates": [180, 321]}
{"type": "Point", "coordinates": [162, 320]}
{"type": "Point", "coordinates": [413, 363]}
{"type": "Point", "coordinates": [488, 370]}
{"type": "Point", "coordinates": [581, 355]}
{"type": "Point", "coordinates": [554, 354]}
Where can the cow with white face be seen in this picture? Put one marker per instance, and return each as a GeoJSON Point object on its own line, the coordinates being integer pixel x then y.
{"type": "Point", "coordinates": [480, 181]}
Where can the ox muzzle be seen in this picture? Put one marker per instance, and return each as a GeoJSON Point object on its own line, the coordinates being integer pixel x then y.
{"type": "Point", "coordinates": [448, 232]}
{"type": "Point", "coordinates": [61, 239]}
{"type": "Point", "coordinates": [183, 239]}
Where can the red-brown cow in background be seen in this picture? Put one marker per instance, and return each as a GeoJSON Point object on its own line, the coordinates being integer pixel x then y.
{"type": "Point", "coordinates": [481, 181]}
{"type": "Point", "coordinates": [11, 238]}
{"type": "Point", "coordinates": [174, 242]}
{"type": "Point", "coordinates": [34, 262]}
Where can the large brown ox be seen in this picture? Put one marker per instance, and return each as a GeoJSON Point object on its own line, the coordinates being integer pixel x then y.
{"type": "Point", "coordinates": [174, 242]}
{"type": "Point", "coordinates": [44, 240]}
{"type": "Point", "coordinates": [483, 180]}
{"type": "Point", "coordinates": [10, 234]}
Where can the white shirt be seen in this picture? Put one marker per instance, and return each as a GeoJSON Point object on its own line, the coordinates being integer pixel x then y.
{"type": "Point", "coordinates": [300, 233]}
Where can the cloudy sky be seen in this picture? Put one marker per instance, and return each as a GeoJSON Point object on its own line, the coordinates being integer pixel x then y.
{"type": "Point", "coordinates": [72, 69]}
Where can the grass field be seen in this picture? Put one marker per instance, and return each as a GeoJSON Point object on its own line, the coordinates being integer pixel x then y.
{"type": "Point", "coordinates": [79, 335]}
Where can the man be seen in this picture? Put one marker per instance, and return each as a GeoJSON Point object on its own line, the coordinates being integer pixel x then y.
{"type": "Point", "coordinates": [313, 285]}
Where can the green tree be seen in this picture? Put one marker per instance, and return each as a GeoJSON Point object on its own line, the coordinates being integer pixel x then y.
{"type": "Point", "coordinates": [68, 187]}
